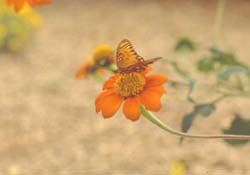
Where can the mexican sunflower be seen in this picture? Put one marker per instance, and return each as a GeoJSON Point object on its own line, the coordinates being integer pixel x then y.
{"type": "Point", "coordinates": [134, 89]}
{"type": "Point", "coordinates": [101, 59]}
{"type": "Point", "coordinates": [19, 4]}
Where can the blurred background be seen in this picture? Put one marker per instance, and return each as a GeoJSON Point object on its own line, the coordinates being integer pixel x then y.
{"type": "Point", "coordinates": [48, 124]}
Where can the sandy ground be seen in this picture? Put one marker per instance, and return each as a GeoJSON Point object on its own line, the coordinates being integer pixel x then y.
{"type": "Point", "coordinates": [48, 125]}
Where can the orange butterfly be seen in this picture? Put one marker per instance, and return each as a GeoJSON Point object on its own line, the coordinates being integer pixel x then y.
{"type": "Point", "coordinates": [127, 60]}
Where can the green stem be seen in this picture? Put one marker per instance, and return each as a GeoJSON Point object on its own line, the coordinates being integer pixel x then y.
{"type": "Point", "coordinates": [220, 98]}
{"type": "Point", "coordinates": [183, 73]}
{"type": "Point", "coordinates": [151, 117]}
{"type": "Point", "coordinates": [97, 77]}
{"type": "Point", "coordinates": [218, 18]}
{"type": "Point", "coordinates": [240, 85]}
{"type": "Point", "coordinates": [228, 95]}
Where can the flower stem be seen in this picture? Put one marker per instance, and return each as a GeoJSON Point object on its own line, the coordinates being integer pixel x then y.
{"type": "Point", "coordinates": [98, 78]}
{"type": "Point", "coordinates": [151, 117]}
{"type": "Point", "coordinates": [228, 95]}
{"type": "Point", "coordinates": [218, 19]}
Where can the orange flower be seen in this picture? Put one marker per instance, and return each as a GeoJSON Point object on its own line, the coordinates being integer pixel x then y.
{"type": "Point", "coordinates": [101, 60]}
{"type": "Point", "coordinates": [18, 4]}
{"type": "Point", "coordinates": [135, 89]}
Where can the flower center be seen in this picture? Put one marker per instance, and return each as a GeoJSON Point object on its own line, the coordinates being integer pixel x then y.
{"type": "Point", "coordinates": [130, 84]}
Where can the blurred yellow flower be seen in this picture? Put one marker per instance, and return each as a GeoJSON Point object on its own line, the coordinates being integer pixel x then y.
{"type": "Point", "coordinates": [103, 51]}
{"type": "Point", "coordinates": [178, 168]}
{"type": "Point", "coordinates": [31, 16]}
{"type": "Point", "coordinates": [17, 43]}
{"type": "Point", "coordinates": [101, 60]}
{"type": "Point", "coordinates": [3, 32]}
{"type": "Point", "coordinates": [16, 28]}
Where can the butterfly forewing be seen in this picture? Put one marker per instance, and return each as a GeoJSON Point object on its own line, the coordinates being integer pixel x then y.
{"type": "Point", "coordinates": [126, 55]}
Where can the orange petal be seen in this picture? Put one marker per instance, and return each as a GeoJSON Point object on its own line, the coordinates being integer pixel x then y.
{"type": "Point", "coordinates": [111, 59]}
{"type": "Point", "coordinates": [110, 82]}
{"type": "Point", "coordinates": [99, 100]}
{"type": "Point", "coordinates": [155, 80]}
{"type": "Point", "coordinates": [108, 102]}
{"type": "Point", "coordinates": [85, 69]}
{"type": "Point", "coordinates": [101, 71]}
{"type": "Point", "coordinates": [151, 100]}
{"type": "Point", "coordinates": [131, 108]}
{"type": "Point", "coordinates": [18, 4]}
{"type": "Point", "coordinates": [36, 2]}
{"type": "Point", "coordinates": [148, 69]}
{"type": "Point", "coordinates": [9, 2]}
{"type": "Point", "coordinates": [157, 89]}
{"type": "Point", "coordinates": [81, 72]}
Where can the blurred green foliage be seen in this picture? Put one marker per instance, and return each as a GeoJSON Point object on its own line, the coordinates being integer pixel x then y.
{"type": "Point", "coordinates": [217, 60]}
{"type": "Point", "coordinates": [206, 65]}
{"type": "Point", "coordinates": [225, 73]}
{"type": "Point", "coordinates": [239, 126]}
{"type": "Point", "coordinates": [203, 110]}
{"type": "Point", "coordinates": [233, 80]}
{"type": "Point", "coordinates": [16, 29]}
{"type": "Point", "coordinates": [185, 45]}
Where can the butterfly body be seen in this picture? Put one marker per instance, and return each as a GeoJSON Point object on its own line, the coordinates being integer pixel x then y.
{"type": "Point", "coordinates": [128, 60]}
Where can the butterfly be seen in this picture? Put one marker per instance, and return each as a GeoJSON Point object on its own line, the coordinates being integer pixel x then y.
{"type": "Point", "coordinates": [128, 60]}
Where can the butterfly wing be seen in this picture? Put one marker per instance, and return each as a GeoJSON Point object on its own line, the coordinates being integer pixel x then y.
{"type": "Point", "coordinates": [142, 66]}
{"type": "Point", "coordinates": [126, 56]}
{"type": "Point", "coordinates": [152, 60]}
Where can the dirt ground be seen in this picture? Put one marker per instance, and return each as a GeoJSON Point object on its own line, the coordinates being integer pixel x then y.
{"type": "Point", "coordinates": [48, 124]}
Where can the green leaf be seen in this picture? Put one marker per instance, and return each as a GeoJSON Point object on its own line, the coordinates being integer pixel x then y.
{"type": "Point", "coordinates": [205, 109]}
{"type": "Point", "coordinates": [185, 45]}
{"type": "Point", "coordinates": [191, 85]}
{"type": "Point", "coordinates": [206, 65]}
{"type": "Point", "coordinates": [188, 121]}
{"type": "Point", "coordinates": [224, 58]}
{"type": "Point", "coordinates": [239, 126]}
{"type": "Point", "coordinates": [227, 72]}
{"type": "Point", "coordinates": [200, 109]}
